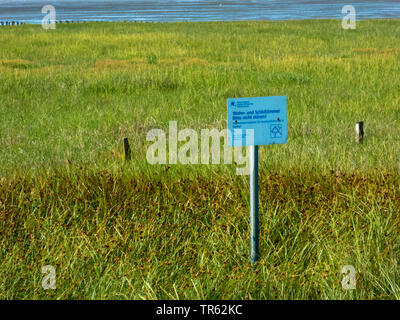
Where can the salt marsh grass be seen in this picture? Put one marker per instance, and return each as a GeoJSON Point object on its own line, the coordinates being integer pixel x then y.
{"type": "Point", "coordinates": [132, 230]}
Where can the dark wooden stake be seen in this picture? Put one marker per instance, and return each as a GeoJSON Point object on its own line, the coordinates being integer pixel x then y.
{"type": "Point", "coordinates": [127, 149]}
{"type": "Point", "coordinates": [360, 131]}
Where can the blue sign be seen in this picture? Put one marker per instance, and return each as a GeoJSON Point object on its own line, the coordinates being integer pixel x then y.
{"type": "Point", "coordinates": [257, 121]}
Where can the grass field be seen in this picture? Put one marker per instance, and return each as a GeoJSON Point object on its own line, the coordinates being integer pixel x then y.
{"type": "Point", "coordinates": [136, 231]}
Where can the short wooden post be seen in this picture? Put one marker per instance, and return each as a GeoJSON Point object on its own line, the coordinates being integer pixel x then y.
{"type": "Point", "coordinates": [127, 149]}
{"type": "Point", "coordinates": [360, 131]}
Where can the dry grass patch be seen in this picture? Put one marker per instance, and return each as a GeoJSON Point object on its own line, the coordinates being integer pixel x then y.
{"type": "Point", "coordinates": [374, 51]}
{"type": "Point", "coordinates": [185, 62]}
{"type": "Point", "coordinates": [16, 63]}
{"type": "Point", "coordinates": [119, 64]}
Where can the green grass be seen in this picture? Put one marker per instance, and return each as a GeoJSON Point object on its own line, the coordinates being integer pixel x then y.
{"type": "Point", "coordinates": [135, 231]}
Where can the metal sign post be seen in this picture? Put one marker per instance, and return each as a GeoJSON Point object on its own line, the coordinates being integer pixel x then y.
{"type": "Point", "coordinates": [253, 122]}
{"type": "Point", "coordinates": [254, 225]}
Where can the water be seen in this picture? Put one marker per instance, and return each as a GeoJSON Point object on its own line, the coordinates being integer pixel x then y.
{"type": "Point", "coordinates": [187, 10]}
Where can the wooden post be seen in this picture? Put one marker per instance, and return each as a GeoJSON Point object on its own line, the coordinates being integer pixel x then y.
{"type": "Point", "coordinates": [127, 149]}
{"type": "Point", "coordinates": [360, 131]}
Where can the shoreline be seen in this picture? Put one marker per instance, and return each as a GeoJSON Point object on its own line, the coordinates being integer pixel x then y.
{"type": "Point", "coordinates": [4, 23]}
